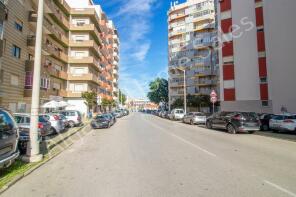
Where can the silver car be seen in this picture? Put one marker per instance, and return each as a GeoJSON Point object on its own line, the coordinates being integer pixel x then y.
{"type": "Point", "coordinates": [9, 136]}
{"type": "Point", "coordinates": [74, 117]}
{"type": "Point", "coordinates": [195, 118]}
{"type": "Point", "coordinates": [57, 124]}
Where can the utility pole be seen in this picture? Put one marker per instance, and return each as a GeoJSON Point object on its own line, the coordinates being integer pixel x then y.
{"type": "Point", "coordinates": [33, 151]}
{"type": "Point", "coordinates": [185, 92]}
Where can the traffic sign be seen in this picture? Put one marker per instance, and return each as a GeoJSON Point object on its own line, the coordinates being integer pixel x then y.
{"type": "Point", "coordinates": [214, 99]}
{"type": "Point", "coordinates": [213, 94]}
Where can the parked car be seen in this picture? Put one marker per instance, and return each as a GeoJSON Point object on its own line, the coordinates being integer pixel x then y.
{"type": "Point", "coordinates": [23, 121]}
{"type": "Point", "coordinates": [125, 112]}
{"type": "Point", "coordinates": [57, 124]}
{"type": "Point", "coordinates": [264, 121]}
{"type": "Point", "coordinates": [195, 118]}
{"type": "Point", "coordinates": [64, 120]}
{"type": "Point", "coordinates": [74, 117]}
{"type": "Point", "coordinates": [165, 114]}
{"type": "Point", "coordinates": [118, 113]}
{"type": "Point", "coordinates": [101, 122]}
{"type": "Point", "coordinates": [286, 122]}
{"type": "Point", "coordinates": [177, 114]}
{"type": "Point", "coordinates": [234, 122]}
{"type": "Point", "coordinates": [110, 117]}
{"type": "Point", "coordinates": [9, 136]}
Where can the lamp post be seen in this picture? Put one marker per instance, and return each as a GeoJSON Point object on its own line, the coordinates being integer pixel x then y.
{"type": "Point", "coordinates": [33, 151]}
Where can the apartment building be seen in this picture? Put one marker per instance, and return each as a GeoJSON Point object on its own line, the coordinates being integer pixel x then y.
{"type": "Point", "coordinates": [75, 54]}
{"type": "Point", "coordinates": [114, 41]}
{"type": "Point", "coordinates": [192, 41]}
{"type": "Point", "coordinates": [257, 49]}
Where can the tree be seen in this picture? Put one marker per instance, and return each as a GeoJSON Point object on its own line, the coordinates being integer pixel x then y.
{"type": "Point", "coordinates": [198, 101]}
{"type": "Point", "coordinates": [159, 91]}
{"type": "Point", "coordinates": [90, 99]}
{"type": "Point", "coordinates": [178, 103]}
{"type": "Point", "coordinates": [122, 97]}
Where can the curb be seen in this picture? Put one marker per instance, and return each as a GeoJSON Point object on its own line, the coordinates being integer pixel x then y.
{"type": "Point", "coordinates": [45, 160]}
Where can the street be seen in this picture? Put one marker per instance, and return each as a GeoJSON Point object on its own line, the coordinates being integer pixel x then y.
{"type": "Point", "coordinates": [143, 155]}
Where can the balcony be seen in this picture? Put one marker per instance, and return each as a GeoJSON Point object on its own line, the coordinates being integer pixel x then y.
{"type": "Point", "coordinates": [206, 82]}
{"type": "Point", "coordinates": [176, 84]}
{"type": "Point", "coordinates": [90, 12]}
{"type": "Point", "coordinates": [29, 65]}
{"type": "Point", "coordinates": [3, 10]}
{"type": "Point", "coordinates": [58, 16]}
{"type": "Point", "coordinates": [63, 5]}
{"type": "Point", "coordinates": [55, 33]}
{"type": "Point", "coordinates": [1, 48]}
{"type": "Point", "coordinates": [177, 16]}
{"type": "Point", "coordinates": [57, 73]}
{"type": "Point", "coordinates": [89, 28]}
{"type": "Point", "coordinates": [204, 26]}
{"type": "Point", "coordinates": [84, 77]}
{"type": "Point", "coordinates": [65, 93]}
{"type": "Point", "coordinates": [86, 60]}
{"type": "Point", "coordinates": [32, 17]}
{"type": "Point", "coordinates": [56, 53]}
{"type": "Point", "coordinates": [31, 40]}
{"type": "Point", "coordinates": [87, 44]}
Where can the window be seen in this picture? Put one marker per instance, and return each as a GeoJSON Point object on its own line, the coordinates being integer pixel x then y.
{"type": "Point", "coordinates": [28, 80]}
{"type": "Point", "coordinates": [6, 123]}
{"type": "Point", "coordinates": [45, 83]}
{"type": "Point", "coordinates": [263, 80]}
{"type": "Point", "coordinates": [16, 51]}
{"type": "Point", "coordinates": [18, 25]}
{"type": "Point", "coordinates": [14, 80]}
{"type": "Point", "coordinates": [265, 103]}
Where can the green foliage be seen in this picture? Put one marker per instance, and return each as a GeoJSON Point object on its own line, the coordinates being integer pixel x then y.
{"type": "Point", "coordinates": [106, 103]}
{"type": "Point", "coordinates": [90, 99]}
{"type": "Point", "coordinates": [122, 97]}
{"type": "Point", "coordinates": [198, 101]}
{"type": "Point", "coordinates": [178, 103]}
{"type": "Point", "coordinates": [159, 91]}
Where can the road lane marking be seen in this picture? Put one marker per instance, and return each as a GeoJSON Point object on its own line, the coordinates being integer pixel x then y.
{"type": "Point", "coordinates": [182, 139]}
{"type": "Point", "coordinates": [280, 188]}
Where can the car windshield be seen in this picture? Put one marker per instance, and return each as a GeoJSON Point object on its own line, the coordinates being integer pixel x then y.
{"type": "Point", "coordinates": [198, 114]}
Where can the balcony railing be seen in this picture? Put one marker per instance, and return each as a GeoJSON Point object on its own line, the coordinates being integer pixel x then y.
{"type": "Point", "coordinates": [32, 16]}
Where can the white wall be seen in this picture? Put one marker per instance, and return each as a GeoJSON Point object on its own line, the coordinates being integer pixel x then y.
{"type": "Point", "coordinates": [77, 104]}
{"type": "Point", "coordinates": [281, 49]}
{"type": "Point", "coordinates": [245, 51]}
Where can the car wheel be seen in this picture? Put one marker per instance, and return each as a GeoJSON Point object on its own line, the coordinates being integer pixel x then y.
{"type": "Point", "coordinates": [53, 131]}
{"type": "Point", "coordinates": [209, 125]}
{"type": "Point", "coordinates": [231, 129]}
{"type": "Point", "coordinates": [265, 128]}
{"type": "Point", "coordinates": [71, 124]}
{"type": "Point", "coordinates": [191, 122]}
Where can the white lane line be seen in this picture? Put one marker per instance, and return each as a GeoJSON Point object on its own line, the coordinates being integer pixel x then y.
{"type": "Point", "coordinates": [280, 188]}
{"type": "Point", "coordinates": [182, 139]}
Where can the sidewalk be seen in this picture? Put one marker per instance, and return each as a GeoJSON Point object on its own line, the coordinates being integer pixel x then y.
{"type": "Point", "coordinates": [50, 148]}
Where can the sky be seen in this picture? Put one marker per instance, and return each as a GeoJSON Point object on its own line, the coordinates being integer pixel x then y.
{"type": "Point", "coordinates": [142, 27]}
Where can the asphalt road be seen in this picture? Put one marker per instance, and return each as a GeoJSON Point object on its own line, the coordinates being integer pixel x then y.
{"type": "Point", "coordinates": [143, 155]}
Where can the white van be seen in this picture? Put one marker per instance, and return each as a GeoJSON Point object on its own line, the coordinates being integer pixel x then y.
{"type": "Point", "coordinates": [177, 114]}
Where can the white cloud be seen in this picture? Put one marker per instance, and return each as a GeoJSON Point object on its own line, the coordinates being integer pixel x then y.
{"type": "Point", "coordinates": [142, 51]}
{"type": "Point", "coordinates": [133, 20]}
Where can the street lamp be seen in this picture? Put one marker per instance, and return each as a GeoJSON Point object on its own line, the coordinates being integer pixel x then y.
{"type": "Point", "coordinates": [33, 151]}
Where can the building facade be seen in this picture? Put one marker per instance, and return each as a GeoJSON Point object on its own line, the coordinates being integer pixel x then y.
{"type": "Point", "coordinates": [256, 51]}
{"type": "Point", "coordinates": [192, 47]}
{"type": "Point", "coordinates": [76, 54]}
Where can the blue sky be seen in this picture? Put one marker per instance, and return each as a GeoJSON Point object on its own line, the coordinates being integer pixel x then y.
{"type": "Point", "coordinates": [142, 27]}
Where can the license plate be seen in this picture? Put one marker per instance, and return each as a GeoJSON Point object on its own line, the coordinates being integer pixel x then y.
{"type": "Point", "coordinates": [251, 124]}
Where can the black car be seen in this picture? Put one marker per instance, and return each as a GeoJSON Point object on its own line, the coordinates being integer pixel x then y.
{"type": "Point", "coordinates": [110, 117]}
{"type": "Point", "coordinates": [264, 120]}
{"type": "Point", "coordinates": [101, 122]}
{"type": "Point", "coordinates": [9, 135]}
{"type": "Point", "coordinates": [234, 122]}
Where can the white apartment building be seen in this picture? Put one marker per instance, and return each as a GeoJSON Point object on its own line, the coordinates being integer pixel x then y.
{"type": "Point", "coordinates": [192, 41]}
{"type": "Point", "coordinates": [257, 55]}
